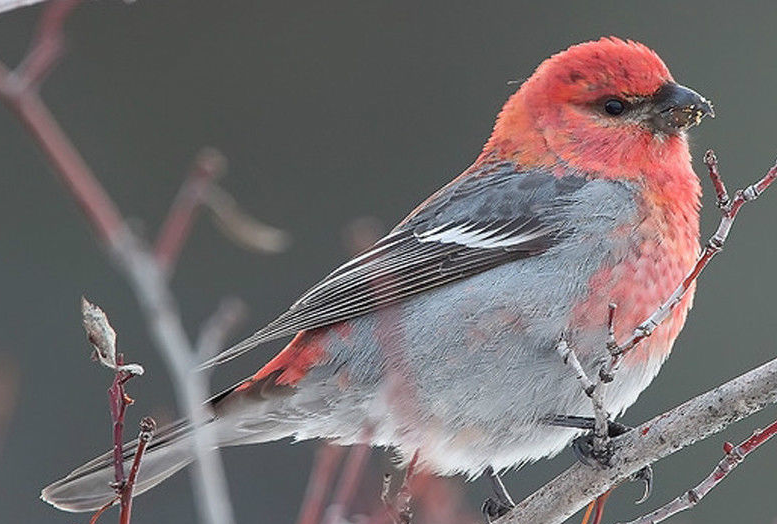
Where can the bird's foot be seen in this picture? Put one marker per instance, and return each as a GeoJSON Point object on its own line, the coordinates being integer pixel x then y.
{"type": "Point", "coordinates": [591, 455]}
{"type": "Point", "coordinates": [585, 451]}
{"type": "Point", "coordinates": [498, 505]}
{"type": "Point", "coordinates": [645, 475]}
{"type": "Point", "coordinates": [493, 509]}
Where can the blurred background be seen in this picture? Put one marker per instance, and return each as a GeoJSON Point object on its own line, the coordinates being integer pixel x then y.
{"type": "Point", "coordinates": [330, 113]}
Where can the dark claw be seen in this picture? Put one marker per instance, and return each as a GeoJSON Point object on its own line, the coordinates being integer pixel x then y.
{"type": "Point", "coordinates": [616, 429]}
{"type": "Point", "coordinates": [645, 475]}
{"type": "Point", "coordinates": [583, 448]}
{"type": "Point", "coordinates": [493, 509]}
{"type": "Point", "coordinates": [501, 503]}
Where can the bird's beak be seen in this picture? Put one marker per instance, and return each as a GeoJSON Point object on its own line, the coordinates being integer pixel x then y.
{"type": "Point", "coordinates": [676, 108]}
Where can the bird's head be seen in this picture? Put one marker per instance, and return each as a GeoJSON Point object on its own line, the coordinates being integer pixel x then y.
{"type": "Point", "coordinates": [599, 105]}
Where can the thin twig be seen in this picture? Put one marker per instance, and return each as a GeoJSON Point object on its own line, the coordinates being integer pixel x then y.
{"type": "Point", "coordinates": [47, 46]}
{"type": "Point", "coordinates": [594, 391]}
{"type": "Point", "coordinates": [215, 331]}
{"type": "Point", "coordinates": [139, 265]}
{"type": "Point", "coordinates": [240, 227]}
{"type": "Point", "coordinates": [147, 428]}
{"type": "Point", "coordinates": [569, 358]}
{"type": "Point", "coordinates": [398, 508]}
{"type": "Point", "coordinates": [665, 434]}
{"type": "Point", "coordinates": [118, 401]}
{"type": "Point", "coordinates": [102, 337]}
{"type": "Point", "coordinates": [721, 193]}
{"type": "Point", "coordinates": [729, 211]}
{"type": "Point", "coordinates": [599, 503]}
{"type": "Point", "coordinates": [208, 166]}
{"type": "Point", "coordinates": [103, 509]}
{"type": "Point", "coordinates": [325, 464]}
{"type": "Point", "coordinates": [734, 456]}
{"type": "Point", "coordinates": [349, 482]}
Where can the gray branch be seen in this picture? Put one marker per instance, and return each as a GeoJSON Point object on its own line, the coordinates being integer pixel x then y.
{"type": "Point", "coordinates": [161, 312]}
{"type": "Point", "coordinates": [657, 438]}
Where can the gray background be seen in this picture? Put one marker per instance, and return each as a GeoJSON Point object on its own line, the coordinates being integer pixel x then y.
{"type": "Point", "coordinates": [329, 112]}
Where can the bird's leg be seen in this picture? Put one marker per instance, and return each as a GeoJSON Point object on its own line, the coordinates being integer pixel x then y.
{"type": "Point", "coordinates": [583, 446]}
{"type": "Point", "coordinates": [496, 506]}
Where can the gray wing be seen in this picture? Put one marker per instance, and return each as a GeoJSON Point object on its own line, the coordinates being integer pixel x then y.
{"type": "Point", "coordinates": [495, 215]}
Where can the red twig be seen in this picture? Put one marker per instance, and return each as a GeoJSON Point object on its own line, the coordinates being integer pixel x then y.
{"type": "Point", "coordinates": [18, 92]}
{"type": "Point", "coordinates": [599, 504]}
{"type": "Point", "coordinates": [595, 510]}
{"type": "Point", "coordinates": [147, 428]}
{"type": "Point", "coordinates": [729, 211]}
{"type": "Point", "coordinates": [349, 481]}
{"type": "Point", "coordinates": [208, 166]}
{"type": "Point", "coordinates": [319, 482]}
{"type": "Point", "coordinates": [594, 388]}
{"type": "Point", "coordinates": [118, 401]}
{"type": "Point", "coordinates": [721, 193]}
{"type": "Point", "coordinates": [102, 510]}
{"type": "Point", "coordinates": [47, 45]}
{"type": "Point", "coordinates": [734, 456]}
{"type": "Point", "coordinates": [102, 337]}
{"type": "Point", "coordinates": [399, 508]}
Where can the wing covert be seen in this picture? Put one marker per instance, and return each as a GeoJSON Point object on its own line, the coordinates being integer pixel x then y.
{"type": "Point", "coordinates": [493, 216]}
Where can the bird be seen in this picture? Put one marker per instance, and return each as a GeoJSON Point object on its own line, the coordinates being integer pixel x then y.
{"type": "Point", "coordinates": [440, 340]}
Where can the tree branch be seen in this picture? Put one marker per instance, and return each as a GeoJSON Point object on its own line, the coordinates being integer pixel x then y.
{"type": "Point", "coordinates": [18, 90]}
{"type": "Point", "coordinates": [321, 477]}
{"type": "Point", "coordinates": [348, 484]}
{"type": "Point", "coordinates": [528, 510]}
{"type": "Point", "coordinates": [215, 332]}
{"type": "Point", "coordinates": [595, 389]}
{"type": "Point", "coordinates": [729, 211]}
{"type": "Point", "coordinates": [68, 164]}
{"type": "Point", "coordinates": [734, 456]}
{"type": "Point", "coordinates": [661, 436]}
{"type": "Point", "coordinates": [147, 428]}
{"type": "Point", "coordinates": [208, 166]}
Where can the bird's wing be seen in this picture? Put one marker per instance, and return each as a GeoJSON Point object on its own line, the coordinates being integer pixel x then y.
{"type": "Point", "coordinates": [495, 215]}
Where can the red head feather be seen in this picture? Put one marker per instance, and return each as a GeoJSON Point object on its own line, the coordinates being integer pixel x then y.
{"type": "Point", "coordinates": [556, 117]}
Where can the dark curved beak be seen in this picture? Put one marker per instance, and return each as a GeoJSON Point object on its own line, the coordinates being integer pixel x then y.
{"type": "Point", "coordinates": [677, 108]}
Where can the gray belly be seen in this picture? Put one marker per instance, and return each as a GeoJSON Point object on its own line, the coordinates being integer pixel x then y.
{"type": "Point", "coordinates": [467, 372]}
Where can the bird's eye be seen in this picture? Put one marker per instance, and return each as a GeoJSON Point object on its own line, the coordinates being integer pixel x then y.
{"type": "Point", "coordinates": [614, 107]}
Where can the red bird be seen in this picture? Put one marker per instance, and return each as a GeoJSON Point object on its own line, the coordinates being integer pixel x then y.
{"type": "Point", "coordinates": [440, 339]}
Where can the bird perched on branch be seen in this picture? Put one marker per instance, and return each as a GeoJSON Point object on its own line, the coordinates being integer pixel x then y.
{"type": "Point", "coordinates": [440, 339]}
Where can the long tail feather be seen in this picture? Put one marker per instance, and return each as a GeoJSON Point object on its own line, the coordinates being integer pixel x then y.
{"type": "Point", "coordinates": [88, 488]}
{"type": "Point", "coordinates": [241, 415]}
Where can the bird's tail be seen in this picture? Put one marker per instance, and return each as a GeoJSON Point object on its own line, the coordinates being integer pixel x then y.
{"type": "Point", "coordinates": [261, 404]}
{"type": "Point", "coordinates": [88, 488]}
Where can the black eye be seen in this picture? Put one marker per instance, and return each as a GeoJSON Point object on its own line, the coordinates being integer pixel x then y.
{"type": "Point", "coordinates": [614, 107]}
